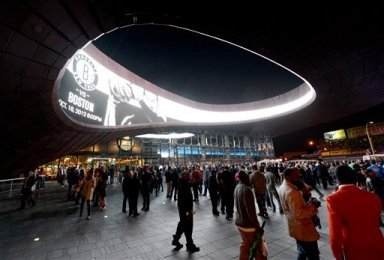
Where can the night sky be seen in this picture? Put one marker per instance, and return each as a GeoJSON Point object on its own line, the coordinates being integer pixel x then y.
{"type": "Point", "coordinates": [195, 66]}
{"type": "Point", "coordinates": [210, 71]}
{"type": "Point", "coordinates": [298, 141]}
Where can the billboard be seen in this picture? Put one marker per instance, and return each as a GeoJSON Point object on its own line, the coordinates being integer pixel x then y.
{"type": "Point", "coordinates": [335, 135]}
{"type": "Point", "coordinates": [91, 94]}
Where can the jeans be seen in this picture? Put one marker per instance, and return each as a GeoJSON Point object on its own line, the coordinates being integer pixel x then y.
{"type": "Point", "coordinates": [307, 250]}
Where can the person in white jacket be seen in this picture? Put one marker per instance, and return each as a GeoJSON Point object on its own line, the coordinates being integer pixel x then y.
{"type": "Point", "coordinates": [299, 216]}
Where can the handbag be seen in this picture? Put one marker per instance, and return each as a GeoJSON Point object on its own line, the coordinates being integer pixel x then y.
{"type": "Point", "coordinates": [258, 244]}
{"type": "Point", "coordinates": [264, 247]}
{"type": "Point", "coordinates": [33, 187]}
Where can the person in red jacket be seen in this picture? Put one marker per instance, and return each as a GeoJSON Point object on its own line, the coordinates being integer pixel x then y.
{"type": "Point", "coordinates": [353, 218]}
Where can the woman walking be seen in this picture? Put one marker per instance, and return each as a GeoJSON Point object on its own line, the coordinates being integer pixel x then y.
{"type": "Point", "coordinates": [87, 192]}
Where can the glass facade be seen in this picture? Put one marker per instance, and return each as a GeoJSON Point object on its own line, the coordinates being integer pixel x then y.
{"type": "Point", "coordinates": [204, 146]}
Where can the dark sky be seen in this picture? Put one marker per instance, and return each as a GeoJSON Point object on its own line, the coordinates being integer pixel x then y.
{"type": "Point", "coordinates": [207, 70]}
{"type": "Point", "coordinates": [195, 66]}
{"type": "Point", "coordinates": [298, 141]}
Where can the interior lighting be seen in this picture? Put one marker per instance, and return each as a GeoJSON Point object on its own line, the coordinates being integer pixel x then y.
{"type": "Point", "coordinates": [194, 115]}
{"type": "Point", "coordinates": [166, 136]}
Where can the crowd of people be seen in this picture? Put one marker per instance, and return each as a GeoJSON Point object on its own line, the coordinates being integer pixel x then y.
{"type": "Point", "coordinates": [236, 189]}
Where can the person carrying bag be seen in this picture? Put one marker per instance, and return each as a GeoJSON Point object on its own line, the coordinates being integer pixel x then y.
{"type": "Point", "coordinates": [259, 242]}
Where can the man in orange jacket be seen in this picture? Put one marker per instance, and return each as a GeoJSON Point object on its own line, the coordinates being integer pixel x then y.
{"type": "Point", "coordinates": [353, 218]}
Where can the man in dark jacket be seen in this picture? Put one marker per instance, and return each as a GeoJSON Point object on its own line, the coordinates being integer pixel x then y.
{"type": "Point", "coordinates": [175, 182]}
{"type": "Point", "coordinates": [145, 187]}
{"type": "Point", "coordinates": [125, 187]}
{"type": "Point", "coordinates": [134, 187]}
{"type": "Point", "coordinates": [214, 192]}
{"type": "Point", "coordinates": [228, 184]}
{"type": "Point", "coordinates": [322, 172]}
{"type": "Point", "coordinates": [26, 191]}
{"type": "Point", "coordinates": [168, 180]}
{"type": "Point", "coordinates": [185, 206]}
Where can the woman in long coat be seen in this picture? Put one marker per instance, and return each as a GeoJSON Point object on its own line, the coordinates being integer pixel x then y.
{"type": "Point", "coordinates": [88, 185]}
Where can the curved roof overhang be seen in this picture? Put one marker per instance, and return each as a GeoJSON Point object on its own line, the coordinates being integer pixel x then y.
{"type": "Point", "coordinates": [341, 54]}
{"type": "Point", "coordinates": [119, 85]}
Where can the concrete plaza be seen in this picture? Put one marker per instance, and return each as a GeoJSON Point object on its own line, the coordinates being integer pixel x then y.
{"type": "Point", "coordinates": [111, 234]}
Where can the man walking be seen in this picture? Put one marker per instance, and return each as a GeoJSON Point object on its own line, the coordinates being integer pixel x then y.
{"type": "Point", "coordinates": [185, 206]}
{"type": "Point", "coordinates": [246, 219]}
{"type": "Point", "coordinates": [259, 185]}
{"type": "Point", "coordinates": [270, 179]}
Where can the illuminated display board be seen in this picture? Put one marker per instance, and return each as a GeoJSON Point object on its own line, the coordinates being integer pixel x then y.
{"type": "Point", "coordinates": [91, 94]}
{"type": "Point", "coordinates": [95, 90]}
{"type": "Point", "coordinates": [335, 135]}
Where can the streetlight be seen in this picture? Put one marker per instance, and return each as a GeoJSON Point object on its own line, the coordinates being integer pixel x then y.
{"type": "Point", "coordinates": [369, 138]}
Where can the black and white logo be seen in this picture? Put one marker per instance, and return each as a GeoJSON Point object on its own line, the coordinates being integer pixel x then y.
{"type": "Point", "coordinates": [85, 72]}
{"type": "Point", "coordinates": [125, 143]}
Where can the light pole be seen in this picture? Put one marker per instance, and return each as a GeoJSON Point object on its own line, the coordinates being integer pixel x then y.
{"type": "Point", "coordinates": [369, 138]}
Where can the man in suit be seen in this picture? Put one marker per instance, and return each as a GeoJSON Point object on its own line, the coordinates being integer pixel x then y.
{"type": "Point", "coordinates": [353, 218]}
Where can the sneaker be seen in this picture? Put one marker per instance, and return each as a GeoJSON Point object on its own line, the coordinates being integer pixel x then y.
{"type": "Point", "coordinates": [192, 248]}
{"type": "Point", "coordinates": [136, 214]}
{"type": "Point", "coordinates": [88, 218]}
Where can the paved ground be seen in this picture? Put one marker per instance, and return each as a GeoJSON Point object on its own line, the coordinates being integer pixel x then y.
{"type": "Point", "coordinates": [111, 234]}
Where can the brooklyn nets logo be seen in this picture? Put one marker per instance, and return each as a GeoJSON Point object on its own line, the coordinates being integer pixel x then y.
{"type": "Point", "coordinates": [85, 72]}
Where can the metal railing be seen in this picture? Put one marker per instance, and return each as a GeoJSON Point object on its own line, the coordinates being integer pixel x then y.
{"type": "Point", "coordinates": [11, 185]}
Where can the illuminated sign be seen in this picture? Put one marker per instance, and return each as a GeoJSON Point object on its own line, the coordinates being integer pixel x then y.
{"type": "Point", "coordinates": [125, 143]}
{"type": "Point", "coordinates": [86, 106]}
{"type": "Point", "coordinates": [85, 72]}
{"type": "Point", "coordinates": [335, 135]}
{"type": "Point", "coordinates": [95, 90]}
